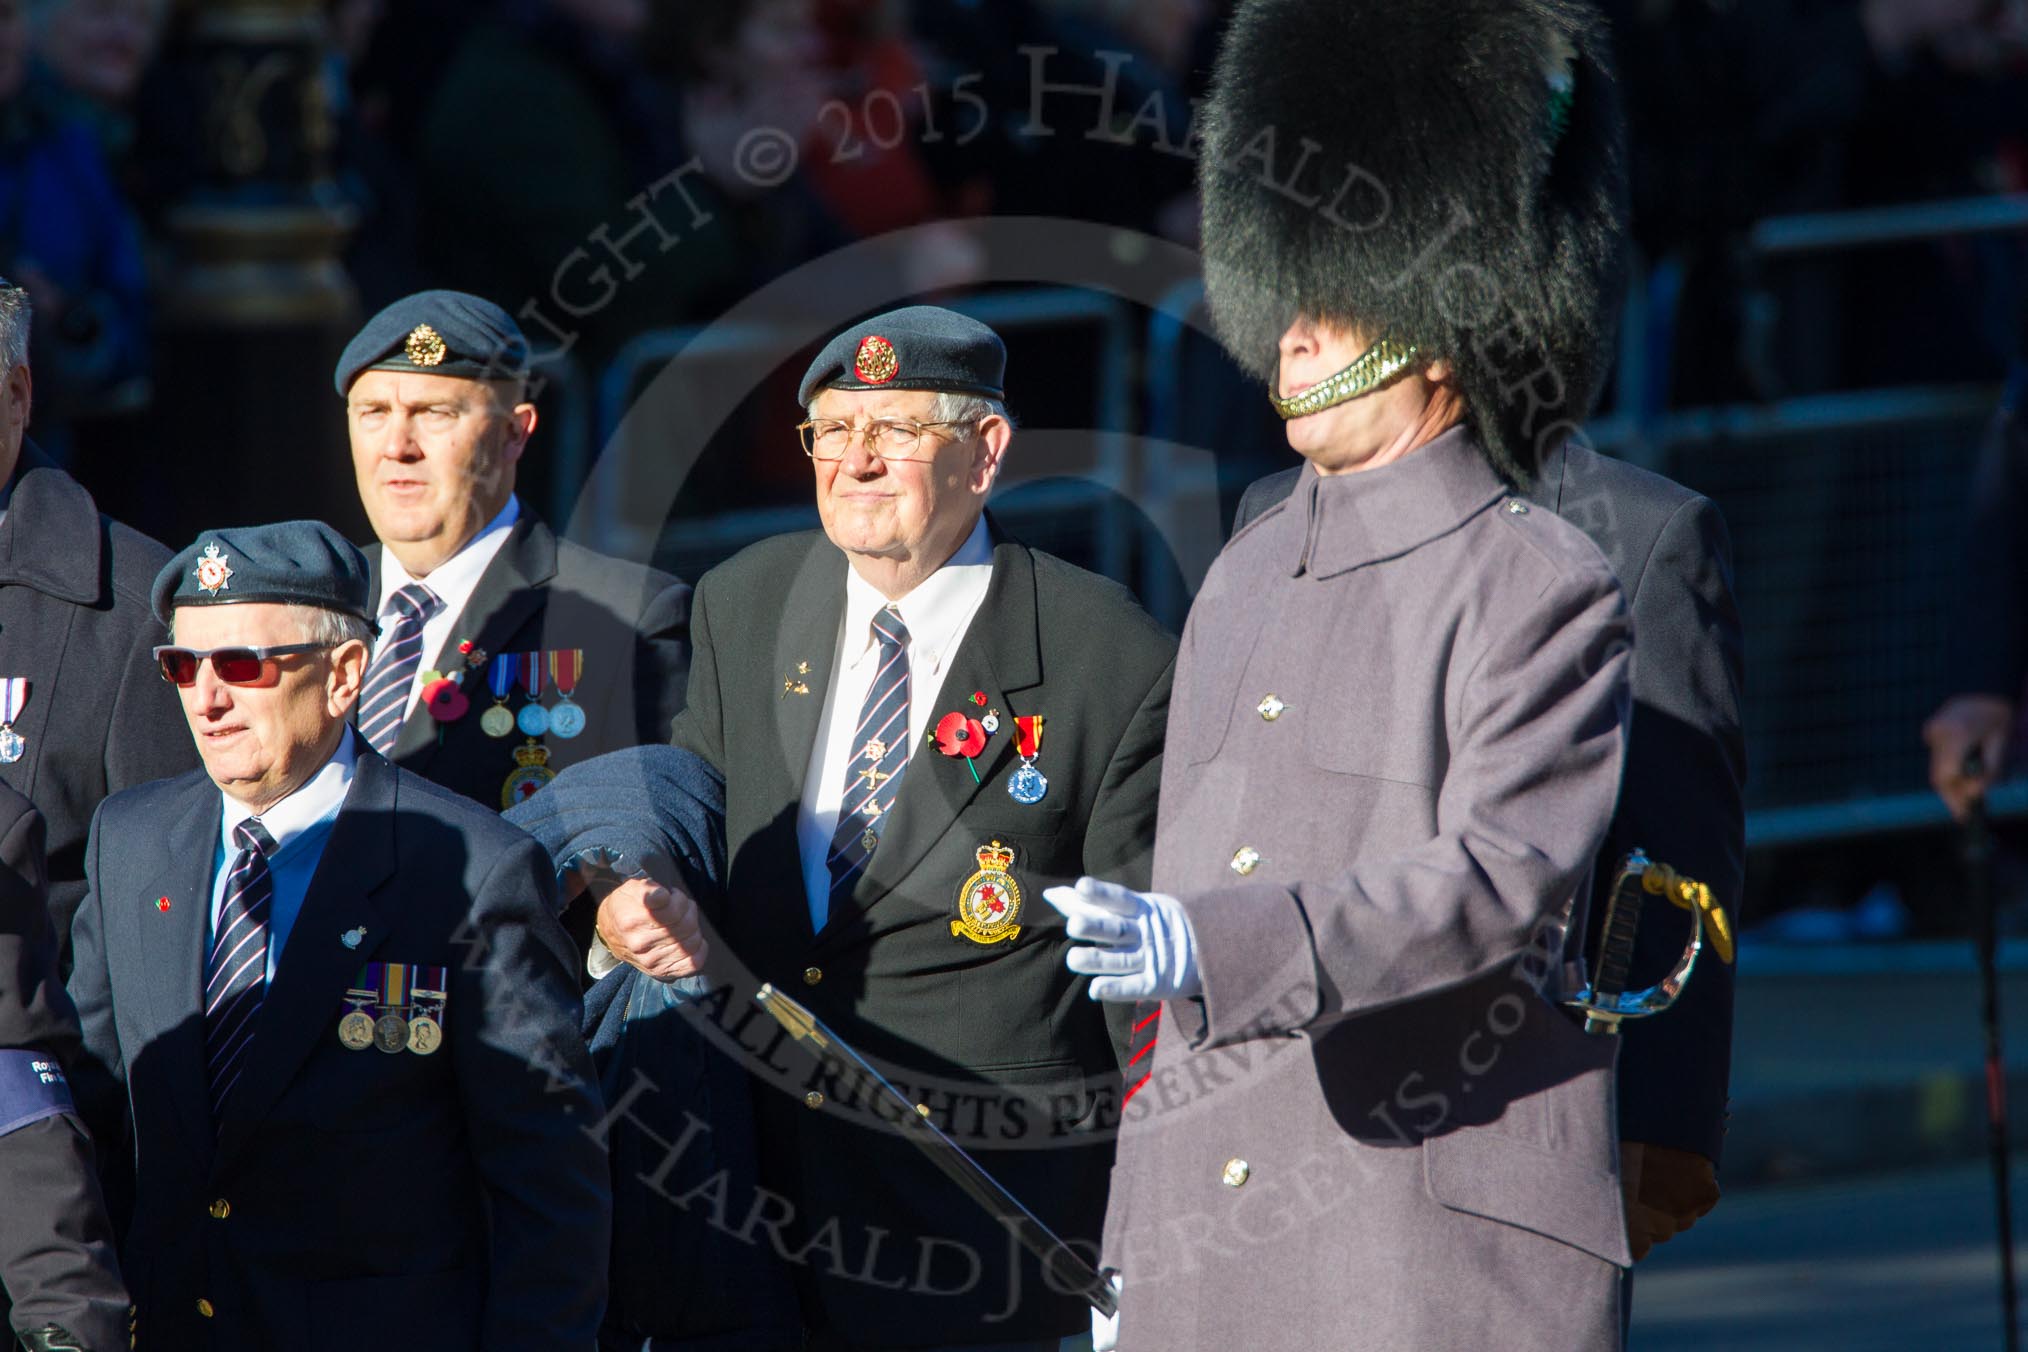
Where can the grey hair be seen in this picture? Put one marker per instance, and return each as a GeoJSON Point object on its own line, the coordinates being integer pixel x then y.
{"type": "Point", "coordinates": [953, 407]}
{"type": "Point", "coordinates": [317, 625]}
{"type": "Point", "coordinates": [331, 627]}
{"type": "Point", "coordinates": [16, 317]}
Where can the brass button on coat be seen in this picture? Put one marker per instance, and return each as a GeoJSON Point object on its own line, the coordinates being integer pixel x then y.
{"type": "Point", "coordinates": [813, 1099]}
{"type": "Point", "coordinates": [1237, 1171]}
{"type": "Point", "coordinates": [204, 1307]}
{"type": "Point", "coordinates": [220, 1209]}
{"type": "Point", "coordinates": [1245, 860]}
{"type": "Point", "coordinates": [812, 975]}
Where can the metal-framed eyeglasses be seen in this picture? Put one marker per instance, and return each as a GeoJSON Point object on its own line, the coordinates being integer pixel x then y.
{"type": "Point", "coordinates": [236, 665]}
{"type": "Point", "coordinates": [887, 438]}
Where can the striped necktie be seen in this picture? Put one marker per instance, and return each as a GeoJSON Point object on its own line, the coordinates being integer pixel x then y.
{"type": "Point", "coordinates": [236, 974]}
{"type": "Point", "coordinates": [383, 703]}
{"type": "Point", "coordinates": [880, 748]}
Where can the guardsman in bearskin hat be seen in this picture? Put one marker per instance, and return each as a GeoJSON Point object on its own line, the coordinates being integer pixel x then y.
{"type": "Point", "coordinates": [1399, 716]}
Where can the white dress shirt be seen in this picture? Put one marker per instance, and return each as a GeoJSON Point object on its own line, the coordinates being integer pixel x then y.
{"type": "Point", "coordinates": [300, 825]}
{"type": "Point", "coordinates": [938, 613]}
{"type": "Point", "coordinates": [454, 580]}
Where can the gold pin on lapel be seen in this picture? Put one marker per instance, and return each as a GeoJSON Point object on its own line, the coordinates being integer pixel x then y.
{"type": "Point", "coordinates": [792, 686]}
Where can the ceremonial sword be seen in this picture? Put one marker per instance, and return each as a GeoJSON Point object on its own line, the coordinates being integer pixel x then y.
{"type": "Point", "coordinates": [1606, 1000]}
{"type": "Point", "coordinates": [1068, 1271]}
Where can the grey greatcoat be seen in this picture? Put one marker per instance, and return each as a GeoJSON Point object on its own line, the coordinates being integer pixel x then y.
{"type": "Point", "coordinates": [1395, 741]}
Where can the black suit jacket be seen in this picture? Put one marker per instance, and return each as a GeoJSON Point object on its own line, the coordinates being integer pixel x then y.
{"type": "Point", "coordinates": [543, 593]}
{"type": "Point", "coordinates": [56, 1247]}
{"type": "Point", "coordinates": [453, 1199]}
{"type": "Point", "coordinates": [998, 1040]}
{"type": "Point", "coordinates": [1681, 794]}
{"type": "Point", "coordinates": [74, 619]}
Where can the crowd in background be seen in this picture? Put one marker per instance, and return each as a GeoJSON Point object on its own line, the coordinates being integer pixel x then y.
{"type": "Point", "coordinates": [481, 140]}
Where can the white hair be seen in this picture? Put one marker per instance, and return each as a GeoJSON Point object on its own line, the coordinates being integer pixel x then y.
{"type": "Point", "coordinates": [949, 407]}
{"type": "Point", "coordinates": [954, 407]}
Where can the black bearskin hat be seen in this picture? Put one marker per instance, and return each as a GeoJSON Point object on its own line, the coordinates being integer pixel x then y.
{"type": "Point", "coordinates": [1447, 173]}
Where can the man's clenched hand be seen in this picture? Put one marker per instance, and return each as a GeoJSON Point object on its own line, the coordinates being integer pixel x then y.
{"type": "Point", "coordinates": [654, 928]}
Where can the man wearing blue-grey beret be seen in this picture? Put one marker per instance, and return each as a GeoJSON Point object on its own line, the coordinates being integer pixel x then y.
{"type": "Point", "coordinates": [504, 653]}
{"type": "Point", "coordinates": [921, 723]}
{"type": "Point", "coordinates": [330, 1020]}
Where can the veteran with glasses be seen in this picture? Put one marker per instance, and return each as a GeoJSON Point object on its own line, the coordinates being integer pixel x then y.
{"type": "Point", "coordinates": [341, 1112]}
{"type": "Point", "coordinates": [921, 723]}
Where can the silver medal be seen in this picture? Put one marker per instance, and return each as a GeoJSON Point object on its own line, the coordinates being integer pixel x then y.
{"type": "Point", "coordinates": [533, 720]}
{"type": "Point", "coordinates": [12, 745]}
{"type": "Point", "coordinates": [1027, 785]}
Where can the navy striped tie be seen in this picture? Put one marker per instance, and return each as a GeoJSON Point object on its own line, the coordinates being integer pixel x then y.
{"type": "Point", "coordinates": [880, 747]}
{"type": "Point", "coordinates": [383, 703]}
{"type": "Point", "coordinates": [236, 974]}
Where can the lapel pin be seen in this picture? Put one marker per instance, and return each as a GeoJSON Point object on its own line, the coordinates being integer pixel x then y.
{"type": "Point", "coordinates": [162, 905]}
{"type": "Point", "coordinates": [351, 938]}
{"type": "Point", "coordinates": [960, 735]}
{"type": "Point", "coordinates": [792, 685]}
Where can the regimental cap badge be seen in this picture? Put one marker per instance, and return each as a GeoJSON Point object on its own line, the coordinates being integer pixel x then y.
{"type": "Point", "coordinates": [989, 904]}
{"type": "Point", "coordinates": [424, 346]}
{"type": "Point", "coordinates": [214, 574]}
{"type": "Point", "coordinates": [876, 362]}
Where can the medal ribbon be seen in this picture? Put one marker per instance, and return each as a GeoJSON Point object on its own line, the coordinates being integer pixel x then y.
{"type": "Point", "coordinates": [500, 675]}
{"type": "Point", "coordinates": [393, 987]}
{"type": "Point", "coordinates": [1028, 736]}
{"type": "Point", "coordinates": [531, 674]}
{"type": "Point", "coordinates": [13, 694]}
{"type": "Point", "coordinates": [565, 666]}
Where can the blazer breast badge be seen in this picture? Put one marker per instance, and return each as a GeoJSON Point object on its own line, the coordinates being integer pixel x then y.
{"type": "Point", "coordinates": [989, 904]}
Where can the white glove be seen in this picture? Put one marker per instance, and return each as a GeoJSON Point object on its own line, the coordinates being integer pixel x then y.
{"type": "Point", "coordinates": [1105, 1328]}
{"type": "Point", "coordinates": [1135, 945]}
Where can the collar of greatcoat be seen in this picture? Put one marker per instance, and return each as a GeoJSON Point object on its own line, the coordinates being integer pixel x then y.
{"type": "Point", "coordinates": [1357, 519]}
{"type": "Point", "coordinates": [50, 539]}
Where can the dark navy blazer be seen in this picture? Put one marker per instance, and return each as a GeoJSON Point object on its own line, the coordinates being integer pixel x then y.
{"type": "Point", "coordinates": [348, 1198]}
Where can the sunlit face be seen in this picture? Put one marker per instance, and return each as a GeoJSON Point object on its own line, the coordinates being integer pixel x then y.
{"type": "Point", "coordinates": [434, 458]}
{"type": "Point", "coordinates": [914, 511]}
{"type": "Point", "coordinates": [100, 47]}
{"type": "Point", "coordinates": [261, 742]}
{"type": "Point", "coordinates": [1348, 435]}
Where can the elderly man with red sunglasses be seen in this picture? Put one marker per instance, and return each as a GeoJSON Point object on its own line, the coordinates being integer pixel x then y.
{"type": "Point", "coordinates": [330, 1018]}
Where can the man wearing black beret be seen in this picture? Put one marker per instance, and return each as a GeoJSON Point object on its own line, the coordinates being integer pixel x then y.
{"type": "Point", "coordinates": [921, 723]}
{"type": "Point", "coordinates": [80, 714]}
{"type": "Point", "coordinates": [330, 1020]}
{"type": "Point", "coordinates": [504, 652]}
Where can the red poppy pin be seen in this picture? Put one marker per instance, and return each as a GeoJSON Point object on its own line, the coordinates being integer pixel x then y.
{"type": "Point", "coordinates": [960, 734]}
{"type": "Point", "coordinates": [444, 700]}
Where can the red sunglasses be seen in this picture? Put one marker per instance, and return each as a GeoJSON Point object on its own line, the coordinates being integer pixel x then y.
{"type": "Point", "coordinates": [234, 666]}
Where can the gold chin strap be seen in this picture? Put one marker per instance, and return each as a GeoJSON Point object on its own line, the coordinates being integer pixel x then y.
{"type": "Point", "coordinates": [1375, 367]}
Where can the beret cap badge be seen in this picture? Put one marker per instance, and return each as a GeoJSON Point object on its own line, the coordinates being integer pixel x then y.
{"type": "Point", "coordinates": [876, 362]}
{"type": "Point", "coordinates": [424, 346]}
{"type": "Point", "coordinates": [214, 574]}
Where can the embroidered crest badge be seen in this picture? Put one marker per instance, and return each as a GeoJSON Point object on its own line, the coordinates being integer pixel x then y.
{"type": "Point", "coordinates": [989, 904]}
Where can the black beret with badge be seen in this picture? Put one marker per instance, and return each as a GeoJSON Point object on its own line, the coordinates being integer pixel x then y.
{"type": "Point", "coordinates": [919, 347]}
{"type": "Point", "coordinates": [439, 333]}
{"type": "Point", "coordinates": [302, 563]}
